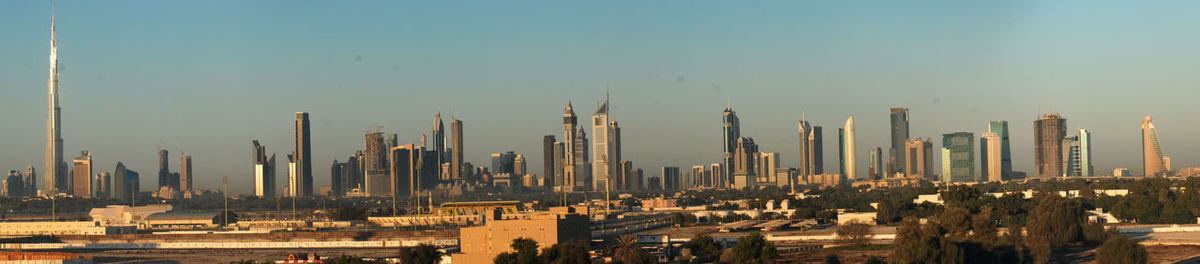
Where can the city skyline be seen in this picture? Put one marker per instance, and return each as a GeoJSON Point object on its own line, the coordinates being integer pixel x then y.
{"type": "Point", "coordinates": [669, 96]}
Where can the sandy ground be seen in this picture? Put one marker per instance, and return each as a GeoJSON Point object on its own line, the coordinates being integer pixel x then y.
{"type": "Point", "coordinates": [222, 256]}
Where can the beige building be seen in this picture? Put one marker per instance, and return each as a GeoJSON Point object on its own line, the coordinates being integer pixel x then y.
{"type": "Point", "coordinates": [993, 170]}
{"type": "Point", "coordinates": [918, 159]}
{"type": "Point", "coordinates": [120, 215]}
{"type": "Point", "coordinates": [82, 178]}
{"type": "Point", "coordinates": [46, 228]}
{"type": "Point", "coordinates": [481, 244]}
{"type": "Point", "coordinates": [1154, 162]}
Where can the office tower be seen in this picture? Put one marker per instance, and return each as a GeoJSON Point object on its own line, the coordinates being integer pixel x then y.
{"type": "Point", "coordinates": [810, 150]}
{"type": "Point", "coordinates": [990, 152]}
{"type": "Point", "coordinates": [402, 179]}
{"type": "Point", "coordinates": [1070, 158]}
{"type": "Point", "coordinates": [126, 182]}
{"type": "Point", "coordinates": [14, 186]}
{"type": "Point", "coordinates": [874, 165]}
{"type": "Point", "coordinates": [294, 188]}
{"type": "Point", "coordinates": [303, 155]}
{"type": "Point", "coordinates": [164, 171]}
{"type": "Point", "coordinates": [1001, 130]}
{"type": "Point", "coordinates": [638, 181]}
{"type": "Point", "coordinates": [743, 162]}
{"type": "Point", "coordinates": [958, 157]}
{"type": "Point", "coordinates": [56, 168]}
{"type": "Point", "coordinates": [842, 153]}
{"type": "Point", "coordinates": [456, 147]}
{"type": "Point", "coordinates": [1152, 157]}
{"type": "Point", "coordinates": [518, 167]}
{"type": "Point", "coordinates": [103, 185]}
{"type": "Point", "coordinates": [654, 183]}
{"type": "Point", "coordinates": [919, 159]}
{"type": "Point", "coordinates": [698, 178]}
{"type": "Point", "coordinates": [438, 144]}
{"type": "Point", "coordinates": [716, 175]}
{"type": "Point", "coordinates": [82, 180]}
{"type": "Point", "coordinates": [732, 130]}
{"type": "Point", "coordinates": [1049, 131]}
{"type": "Point", "coordinates": [670, 178]}
{"type": "Point", "coordinates": [896, 158]}
{"type": "Point", "coordinates": [354, 174]}
{"type": "Point", "coordinates": [570, 143]}
{"type": "Point", "coordinates": [30, 181]}
{"type": "Point", "coordinates": [264, 171]}
{"type": "Point", "coordinates": [583, 165]}
{"type": "Point", "coordinates": [625, 179]}
{"type": "Point", "coordinates": [548, 160]}
{"type": "Point", "coordinates": [767, 166]}
{"type": "Point", "coordinates": [849, 168]}
{"type": "Point", "coordinates": [616, 142]}
{"type": "Point", "coordinates": [185, 174]}
{"type": "Point", "coordinates": [337, 187]}
{"type": "Point", "coordinates": [556, 173]}
{"type": "Point", "coordinates": [375, 165]}
{"type": "Point", "coordinates": [604, 164]}
{"type": "Point", "coordinates": [1085, 153]}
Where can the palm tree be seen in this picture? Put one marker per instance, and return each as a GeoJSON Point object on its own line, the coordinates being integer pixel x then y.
{"type": "Point", "coordinates": [625, 250]}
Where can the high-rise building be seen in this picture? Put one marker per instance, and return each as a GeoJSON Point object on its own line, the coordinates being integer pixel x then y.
{"type": "Point", "coordinates": [732, 130]}
{"type": "Point", "coordinates": [625, 179]}
{"type": "Point", "coordinates": [896, 157]}
{"type": "Point", "coordinates": [583, 164]}
{"type": "Point", "coordinates": [164, 171]}
{"type": "Point", "coordinates": [548, 160]}
{"type": "Point", "coordinates": [1049, 131]}
{"type": "Point", "coordinates": [82, 180]}
{"type": "Point", "coordinates": [604, 164]}
{"type": "Point", "coordinates": [1001, 130]}
{"type": "Point", "coordinates": [375, 162]}
{"type": "Point", "coordinates": [504, 162]}
{"type": "Point", "coordinates": [1070, 159]}
{"type": "Point", "coordinates": [810, 150]}
{"type": "Point", "coordinates": [403, 177]}
{"type": "Point", "coordinates": [958, 157]}
{"type": "Point", "coordinates": [518, 165]}
{"type": "Point", "coordinates": [337, 185]}
{"type": "Point", "coordinates": [697, 176]}
{"type": "Point", "coordinates": [103, 185]}
{"type": "Point", "coordinates": [850, 164]}
{"type": "Point", "coordinates": [919, 159]}
{"type": "Point", "coordinates": [670, 178]}
{"type": "Point", "coordinates": [56, 168]}
{"type": "Point", "coordinates": [30, 181]}
{"type": "Point", "coordinates": [571, 164]}
{"type": "Point", "coordinates": [264, 171]}
{"type": "Point", "coordinates": [767, 164]}
{"type": "Point", "coordinates": [990, 152]}
{"type": "Point", "coordinates": [126, 182]}
{"type": "Point", "coordinates": [716, 175]}
{"type": "Point", "coordinates": [743, 162]}
{"type": "Point", "coordinates": [14, 185]}
{"type": "Point", "coordinates": [456, 146]}
{"type": "Point", "coordinates": [185, 174]}
{"type": "Point", "coordinates": [294, 181]}
{"type": "Point", "coordinates": [438, 145]}
{"type": "Point", "coordinates": [1154, 163]}
{"type": "Point", "coordinates": [1085, 153]}
{"type": "Point", "coordinates": [874, 164]}
{"type": "Point", "coordinates": [303, 155]}
{"type": "Point", "coordinates": [556, 174]}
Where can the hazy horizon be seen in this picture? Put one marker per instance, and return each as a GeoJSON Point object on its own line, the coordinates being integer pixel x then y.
{"type": "Point", "coordinates": [208, 77]}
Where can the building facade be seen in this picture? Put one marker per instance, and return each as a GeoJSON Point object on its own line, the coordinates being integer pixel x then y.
{"type": "Point", "coordinates": [919, 159]}
{"type": "Point", "coordinates": [1153, 162]}
{"type": "Point", "coordinates": [899, 136]}
{"type": "Point", "coordinates": [958, 157]}
{"type": "Point", "coordinates": [1049, 131]}
{"type": "Point", "coordinates": [303, 155]}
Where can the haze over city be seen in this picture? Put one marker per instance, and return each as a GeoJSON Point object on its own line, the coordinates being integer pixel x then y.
{"type": "Point", "coordinates": [206, 78]}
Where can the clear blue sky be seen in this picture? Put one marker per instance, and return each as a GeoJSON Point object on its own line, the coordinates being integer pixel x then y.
{"type": "Point", "coordinates": [209, 76]}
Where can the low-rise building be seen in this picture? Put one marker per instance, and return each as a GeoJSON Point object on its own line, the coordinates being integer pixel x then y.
{"type": "Point", "coordinates": [47, 228]}
{"type": "Point", "coordinates": [481, 244]}
{"type": "Point", "coordinates": [846, 218]}
{"type": "Point", "coordinates": [120, 215]}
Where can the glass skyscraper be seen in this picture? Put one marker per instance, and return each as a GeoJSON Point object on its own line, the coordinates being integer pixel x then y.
{"type": "Point", "coordinates": [896, 160]}
{"type": "Point", "coordinates": [958, 157]}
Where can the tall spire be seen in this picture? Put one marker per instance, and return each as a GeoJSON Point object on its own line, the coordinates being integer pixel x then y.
{"type": "Point", "coordinates": [55, 168]}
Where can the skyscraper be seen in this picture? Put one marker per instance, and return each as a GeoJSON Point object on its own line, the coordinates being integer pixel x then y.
{"type": "Point", "coordinates": [1085, 153]}
{"type": "Point", "coordinates": [1070, 159]}
{"type": "Point", "coordinates": [570, 148]}
{"type": "Point", "coordinates": [767, 166]}
{"type": "Point", "coordinates": [604, 164]}
{"type": "Point", "coordinates": [518, 165]}
{"type": "Point", "coordinates": [126, 182]}
{"type": "Point", "coordinates": [1152, 157]}
{"type": "Point", "coordinates": [990, 151]}
{"type": "Point", "coordinates": [164, 171]}
{"type": "Point", "coordinates": [402, 178]}
{"type": "Point", "coordinates": [439, 144]}
{"type": "Point", "coordinates": [810, 150]}
{"type": "Point", "coordinates": [557, 173]}
{"type": "Point", "coordinates": [732, 130]}
{"type": "Point", "coordinates": [743, 162]}
{"type": "Point", "coordinates": [896, 159]}
{"type": "Point", "coordinates": [670, 178]}
{"type": "Point", "coordinates": [874, 163]}
{"type": "Point", "coordinates": [919, 159]}
{"type": "Point", "coordinates": [1001, 130]}
{"type": "Point", "coordinates": [82, 180]}
{"type": "Point", "coordinates": [958, 157]}
{"type": "Point", "coordinates": [56, 169]}
{"type": "Point", "coordinates": [293, 179]}
{"type": "Point", "coordinates": [548, 160]}
{"type": "Point", "coordinates": [1049, 131]}
{"type": "Point", "coordinates": [337, 184]}
{"type": "Point", "coordinates": [185, 174]}
{"type": "Point", "coordinates": [303, 155]}
{"type": "Point", "coordinates": [103, 185]}
{"type": "Point", "coordinates": [850, 167]}
{"type": "Point", "coordinates": [30, 181]}
{"type": "Point", "coordinates": [375, 162]}
{"type": "Point", "coordinates": [264, 171]}
{"type": "Point", "coordinates": [583, 165]}
{"type": "Point", "coordinates": [456, 146]}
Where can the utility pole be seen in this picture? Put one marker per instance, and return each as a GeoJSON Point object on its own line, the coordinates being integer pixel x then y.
{"type": "Point", "coordinates": [225, 182]}
{"type": "Point", "coordinates": [53, 218]}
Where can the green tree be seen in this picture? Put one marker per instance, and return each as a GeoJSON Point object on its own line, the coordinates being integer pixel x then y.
{"type": "Point", "coordinates": [832, 259]}
{"type": "Point", "coordinates": [1120, 249]}
{"type": "Point", "coordinates": [349, 213]}
{"type": "Point", "coordinates": [754, 249]}
{"type": "Point", "coordinates": [420, 254]}
{"type": "Point", "coordinates": [625, 250]}
{"type": "Point", "coordinates": [574, 252]}
{"type": "Point", "coordinates": [704, 248]}
{"type": "Point", "coordinates": [525, 252]}
{"type": "Point", "coordinates": [857, 234]}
